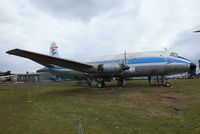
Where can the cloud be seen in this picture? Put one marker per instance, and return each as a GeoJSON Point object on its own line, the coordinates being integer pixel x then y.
{"type": "Point", "coordinates": [88, 28]}
{"type": "Point", "coordinates": [77, 9]}
{"type": "Point", "coordinates": [6, 16]}
{"type": "Point", "coordinates": [187, 44]}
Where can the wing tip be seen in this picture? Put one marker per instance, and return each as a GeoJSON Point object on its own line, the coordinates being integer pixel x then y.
{"type": "Point", "coordinates": [196, 31]}
{"type": "Point", "coordinates": [12, 51]}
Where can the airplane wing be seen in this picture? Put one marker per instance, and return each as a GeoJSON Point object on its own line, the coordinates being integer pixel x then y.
{"type": "Point", "coordinates": [197, 31]}
{"type": "Point", "coordinates": [50, 61]}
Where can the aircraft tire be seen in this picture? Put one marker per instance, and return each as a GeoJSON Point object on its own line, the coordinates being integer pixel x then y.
{"type": "Point", "coordinates": [100, 84]}
{"type": "Point", "coordinates": [167, 84]}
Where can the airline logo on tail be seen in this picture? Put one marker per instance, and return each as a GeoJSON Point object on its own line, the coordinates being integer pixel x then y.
{"type": "Point", "coordinates": [53, 50]}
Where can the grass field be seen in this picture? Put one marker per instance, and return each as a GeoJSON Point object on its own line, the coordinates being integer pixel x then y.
{"type": "Point", "coordinates": [134, 109]}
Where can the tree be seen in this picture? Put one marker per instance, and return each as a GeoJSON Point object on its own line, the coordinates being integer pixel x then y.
{"type": "Point", "coordinates": [7, 73]}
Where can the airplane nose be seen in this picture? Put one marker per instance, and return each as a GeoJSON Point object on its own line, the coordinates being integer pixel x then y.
{"type": "Point", "coordinates": [192, 66]}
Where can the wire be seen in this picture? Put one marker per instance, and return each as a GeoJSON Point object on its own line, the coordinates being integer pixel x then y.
{"type": "Point", "coordinates": [53, 115]}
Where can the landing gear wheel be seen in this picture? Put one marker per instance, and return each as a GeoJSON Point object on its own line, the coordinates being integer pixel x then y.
{"type": "Point", "coordinates": [120, 82]}
{"type": "Point", "coordinates": [167, 84]}
{"type": "Point", "coordinates": [100, 84]}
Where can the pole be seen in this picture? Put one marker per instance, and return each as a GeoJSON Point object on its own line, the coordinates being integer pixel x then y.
{"type": "Point", "coordinates": [29, 95]}
{"type": "Point", "coordinates": [80, 131]}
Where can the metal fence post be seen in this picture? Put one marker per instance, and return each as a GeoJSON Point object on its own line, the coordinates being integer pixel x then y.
{"type": "Point", "coordinates": [79, 126]}
{"type": "Point", "coordinates": [80, 131]}
{"type": "Point", "coordinates": [29, 95]}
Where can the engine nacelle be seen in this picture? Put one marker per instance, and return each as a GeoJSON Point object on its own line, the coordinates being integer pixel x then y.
{"type": "Point", "coordinates": [110, 68]}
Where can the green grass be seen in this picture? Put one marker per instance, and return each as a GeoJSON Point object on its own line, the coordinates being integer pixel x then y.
{"type": "Point", "coordinates": [136, 108]}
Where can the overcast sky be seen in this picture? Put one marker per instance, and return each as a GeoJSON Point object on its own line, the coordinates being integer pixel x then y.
{"type": "Point", "coordinates": [87, 28]}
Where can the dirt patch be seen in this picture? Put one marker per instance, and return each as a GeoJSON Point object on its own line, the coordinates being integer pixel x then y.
{"type": "Point", "coordinates": [67, 93]}
{"type": "Point", "coordinates": [171, 98]}
{"type": "Point", "coordinates": [96, 91]}
{"type": "Point", "coordinates": [174, 111]}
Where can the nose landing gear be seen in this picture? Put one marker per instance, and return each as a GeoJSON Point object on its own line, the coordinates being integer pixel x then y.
{"type": "Point", "coordinates": [158, 81]}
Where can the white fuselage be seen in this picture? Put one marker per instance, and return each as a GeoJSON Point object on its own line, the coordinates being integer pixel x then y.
{"type": "Point", "coordinates": [140, 63]}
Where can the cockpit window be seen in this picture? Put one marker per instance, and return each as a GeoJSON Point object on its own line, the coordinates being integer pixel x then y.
{"type": "Point", "coordinates": [174, 54]}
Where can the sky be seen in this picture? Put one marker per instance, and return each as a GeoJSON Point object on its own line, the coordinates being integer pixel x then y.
{"type": "Point", "coordinates": [87, 28]}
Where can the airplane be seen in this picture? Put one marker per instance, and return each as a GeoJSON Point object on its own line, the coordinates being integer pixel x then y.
{"type": "Point", "coordinates": [119, 66]}
{"type": "Point", "coordinates": [6, 78]}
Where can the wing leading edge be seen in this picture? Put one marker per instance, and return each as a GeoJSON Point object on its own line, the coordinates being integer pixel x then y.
{"type": "Point", "coordinates": [50, 61]}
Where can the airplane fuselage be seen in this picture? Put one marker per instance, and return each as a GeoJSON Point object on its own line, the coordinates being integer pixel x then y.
{"type": "Point", "coordinates": [140, 63]}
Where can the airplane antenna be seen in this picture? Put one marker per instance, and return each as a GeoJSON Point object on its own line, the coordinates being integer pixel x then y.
{"type": "Point", "coordinates": [125, 58]}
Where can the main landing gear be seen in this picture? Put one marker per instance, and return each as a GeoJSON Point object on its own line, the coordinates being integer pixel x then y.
{"type": "Point", "coordinates": [100, 82]}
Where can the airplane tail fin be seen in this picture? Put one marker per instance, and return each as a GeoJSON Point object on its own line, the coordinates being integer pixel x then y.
{"type": "Point", "coordinates": [53, 50]}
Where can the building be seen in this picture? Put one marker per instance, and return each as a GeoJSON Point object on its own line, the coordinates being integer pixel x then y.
{"type": "Point", "coordinates": [48, 74]}
{"type": "Point", "coordinates": [28, 77]}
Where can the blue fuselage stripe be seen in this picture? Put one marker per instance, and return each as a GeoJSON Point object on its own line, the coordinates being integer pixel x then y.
{"type": "Point", "coordinates": [150, 60]}
{"type": "Point", "coordinates": [143, 60]}
{"type": "Point", "coordinates": [139, 61]}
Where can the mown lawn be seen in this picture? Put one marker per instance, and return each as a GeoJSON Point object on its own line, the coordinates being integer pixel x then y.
{"type": "Point", "coordinates": [134, 109]}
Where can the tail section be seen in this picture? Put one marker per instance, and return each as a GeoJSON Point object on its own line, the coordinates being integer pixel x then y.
{"type": "Point", "coordinates": [53, 50]}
